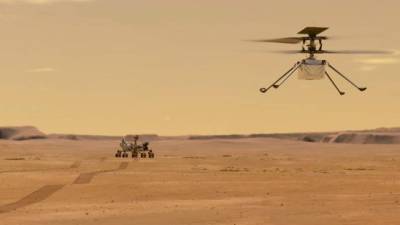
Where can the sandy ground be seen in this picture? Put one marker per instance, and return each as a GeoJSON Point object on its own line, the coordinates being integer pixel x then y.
{"type": "Point", "coordinates": [246, 181]}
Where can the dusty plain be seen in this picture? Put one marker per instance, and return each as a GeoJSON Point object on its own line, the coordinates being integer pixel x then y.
{"type": "Point", "coordinates": [244, 181]}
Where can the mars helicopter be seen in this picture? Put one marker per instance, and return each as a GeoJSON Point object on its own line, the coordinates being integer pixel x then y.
{"type": "Point", "coordinates": [311, 68]}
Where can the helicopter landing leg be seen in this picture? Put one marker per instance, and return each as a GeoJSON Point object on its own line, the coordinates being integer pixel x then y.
{"type": "Point", "coordinates": [289, 75]}
{"type": "Point", "coordinates": [329, 77]}
{"type": "Point", "coordinates": [263, 90]}
{"type": "Point", "coordinates": [347, 79]}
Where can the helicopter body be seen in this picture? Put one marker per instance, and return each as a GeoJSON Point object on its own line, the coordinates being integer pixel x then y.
{"type": "Point", "coordinates": [311, 69]}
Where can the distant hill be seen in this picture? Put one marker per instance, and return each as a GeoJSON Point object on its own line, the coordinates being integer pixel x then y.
{"type": "Point", "coordinates": [129, 137]}
{"type": "Point", "coordinates": [373, 136]}
{"type": "Point", "coordinates": [308, 137]}
{"type": "Point", "coordinates": [364, 138]}
{"type": "Point", "coordinates": [21, 133]}
{"type": "Point", "coordinates": [384, 130]}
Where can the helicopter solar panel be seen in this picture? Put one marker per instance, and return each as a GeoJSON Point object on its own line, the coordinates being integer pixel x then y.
{"type": "Point", "coordinates": [313, 30]}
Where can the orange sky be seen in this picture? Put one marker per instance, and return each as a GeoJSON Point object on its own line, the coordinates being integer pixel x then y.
{"type": "Point", "coordinates": [181, 67]}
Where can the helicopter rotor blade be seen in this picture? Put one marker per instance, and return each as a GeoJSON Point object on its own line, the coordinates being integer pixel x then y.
{"type": "Point", "coordinates": [367, 52]}
{"type": "Point", "coordinates": [290, 40]}
{"type": "Point", "coordinates": [289, 51]}
{"type": "Point", "coordinates": [287, 40]}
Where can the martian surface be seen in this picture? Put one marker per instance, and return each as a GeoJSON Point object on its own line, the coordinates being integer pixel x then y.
{"type": "Point", "coordinates": [209, 181]}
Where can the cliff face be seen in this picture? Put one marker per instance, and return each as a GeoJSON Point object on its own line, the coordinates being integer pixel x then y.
{"type": "Point", "coordinates": [21, 133]}
{"type": "Point", "coordinates": [366, 138]}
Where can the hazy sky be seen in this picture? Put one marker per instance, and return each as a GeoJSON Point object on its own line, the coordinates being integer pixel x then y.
{"type": "Point", "coordinates": [181, 67]}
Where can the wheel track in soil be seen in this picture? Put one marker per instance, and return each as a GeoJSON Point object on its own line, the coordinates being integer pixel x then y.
{"type": "Point", "coordinates": [34, 197]}
{"type": "Point", "coordinates": [85, 178]}
{"type": "Point", "coordinates": [74, 165]}
{"type": "Point", "coordinates": [46, 191]}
